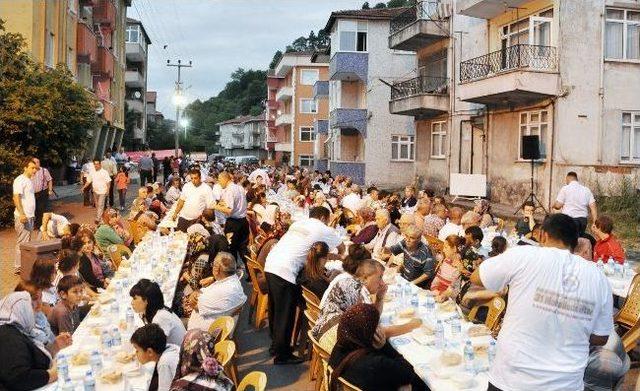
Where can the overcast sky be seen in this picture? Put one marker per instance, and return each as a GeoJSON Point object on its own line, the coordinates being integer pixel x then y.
{"type": "Point", "coordinates": [221, 35]}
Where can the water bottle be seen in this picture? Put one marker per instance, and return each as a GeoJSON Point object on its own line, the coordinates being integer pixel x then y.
{"type": "Point", "coordinates": [414, 300]}
{"type": "Point", "coordinates": [130, 318]}
{"type": "Point", "coordinates": [95, 360]}
{"type": "Point", "coordinates": [626, 268]}
{"type": "Point", "coordinates": [618, 270]}
{"type": "Point", "coordinates": [407, 294]}
{"type": "Point", "coordinates": [89, 382]}
{"type": "Point", "coordinates": [431, 305]}
{"type": "Point", "coordinates": [67, 385]}
{"type": "Point", "coordinates": [118, 288]}
{"type": "Point", "coordinates": [439, 334]}
{"type": "Point", "coordinates": [456, 326]}
{"type": "Point", "coordinates": [468, 356]}
{"type": "Point", "coordinates": [491, 352]}
{"type": "Point", "coordinates": [115, 307]}
{"type": "Point", "coordinates": [63, 367]}
{"type": "Point", "coordinates": [116, 338]}
{"type": "Point", "coordinates": [402, 291]}
{"type": "Point", "coordinates": [600, 264]}
{"type": "Point", "coordinates": [610, 262]}
{"type": "Point", "coordinates": [106, 339]}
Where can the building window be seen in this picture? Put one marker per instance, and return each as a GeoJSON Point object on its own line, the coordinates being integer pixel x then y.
{"type": "Point", "coordinates": [132, 34]}
{"type": "Point", "coordinates": [49, 47]}
{"type": "Point", "coordinates": [622, 34]}
{"type": "Point", "coordinates": [438, 140]}
{"type": "Point", "coordinates": [306, 160]}
{"type": "Point", "coordinates": [307, 134]}
{"type": "Point", "coordinates": [630, 151]}
{"type": "Point", "coordinates": [308, 106]}
{"type": "Point", "coordinates": [309, 77]}
{"type": "Point", "coordinates": [402, 148]}
{"type": "Point", "coordinates": [534, 30]}
{"type": "Point", "coordinates": [353, 35]}
{"type": "Point", "coordinates": [534, 123]}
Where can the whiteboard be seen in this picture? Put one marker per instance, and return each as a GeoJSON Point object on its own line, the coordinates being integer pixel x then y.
{"type": "Point", "coordinates": [468, 185]}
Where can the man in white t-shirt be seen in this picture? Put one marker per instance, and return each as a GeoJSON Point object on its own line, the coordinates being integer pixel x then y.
{"type": "Point", "coordinates": [100, 180]}
{"type": "Point", "coordinates": [453, 226]}
{"type": "Point", "coordinates": [576, 200]}
{"type": "Point", "coordinates": [24, 201]}
{"type": "Point", "coordinates": [53, 226]}
{"type": "Point", "coordinates": [558, 306]}
{"type": "Point", "coordinates": [285, 260]}
{"type": "Point", "coordinates": [196, 196]}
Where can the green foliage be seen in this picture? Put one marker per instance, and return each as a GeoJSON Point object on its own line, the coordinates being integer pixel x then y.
{"type": "Point", "coordinates": [276, 57]}
{"type": "Point", "coordinates": [366, 5]}
{"type": "Point", "coordinates": [622, 205]}
{"type": "Point", "coordinates": [42, 113]}
{"type": "Point", "coordinates": [390, 4]}
{"type": "Point", "coordinates": [310, 43]}
{"type": "Point", "coordinates": [380, 5]}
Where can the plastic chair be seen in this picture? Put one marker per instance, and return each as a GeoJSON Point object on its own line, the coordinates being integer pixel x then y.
{"type": "Point", "coordinates": [116, 251]}
{"type": "Point", "coordinates": [629, 314]}
{"type": "Point", "coordinates": [225, 351]}
{"type": "Point", "coordinates": [318, 355]}
{"type": "Point", "coordinates": [344, 384]}
{"type": "Point", "coordinates": [259, 286]}
{"type": "Point", "coordinates": [495, 307]}
{"type": "Point", "coordinates": [224, 323]}
{"type": "Point", "coordinates": [255, 379]}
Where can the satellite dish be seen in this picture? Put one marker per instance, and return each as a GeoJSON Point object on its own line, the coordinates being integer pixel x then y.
{"type": "Point", "coordinates": [100, 108]}
{"type": "Point", "coordinates": [137, 95]}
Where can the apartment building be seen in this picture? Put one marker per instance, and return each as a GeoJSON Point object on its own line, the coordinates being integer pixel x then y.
{"type": "Point", "coordinates": [365, 141]}
{"type": "Point", "coordinates": [137, 42]}
{"type": "Point", "coordinates": [292, 109]}
{"type": "Point", "coordinates": [153, 115]}
{"type": "Point", "coordinates": [243, 136]}
{"type": "Point", "coordinates": [321, 122]}
{"type": "Point", "coordinates": [559, 69]}
{"type": "Point", "coordinates": [87, 36]}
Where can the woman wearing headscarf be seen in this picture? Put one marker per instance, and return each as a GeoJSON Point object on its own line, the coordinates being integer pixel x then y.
{"type": "Point", "coordinates": [198, 369]}
{"type": "Point", "coordinates": [355, 359]}
{"type": "Point", "coordinates": [26, 362]}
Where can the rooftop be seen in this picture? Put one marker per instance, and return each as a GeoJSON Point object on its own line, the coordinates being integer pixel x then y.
{"type": "Point", "coordinates": [242, 119]}
{"type": "Point", "coordinates": [368, 14]}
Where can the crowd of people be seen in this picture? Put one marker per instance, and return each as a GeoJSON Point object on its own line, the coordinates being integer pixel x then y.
{"type": "Point", "coordinates": [559, 307]}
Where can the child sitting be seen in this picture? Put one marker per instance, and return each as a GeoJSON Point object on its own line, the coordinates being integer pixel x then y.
{"type": "Point", "coordinates": [151, 345]}
{"type": "Point", "coordinates": [65, 316]}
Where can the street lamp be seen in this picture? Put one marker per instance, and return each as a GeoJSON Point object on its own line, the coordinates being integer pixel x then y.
{"type": "Point", "coordinates": [184, 122]}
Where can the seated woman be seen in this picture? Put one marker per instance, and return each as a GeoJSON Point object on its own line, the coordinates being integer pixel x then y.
{"type": "Point", "coordinates": [110, 232]}
{"type": "Point", "coordinates": [198, 368]}
{"type": "Point", "coordinates": [314, 276]}
{"type": "Point", "coordinates": [43, 273]}
{"type": "Point", "coordinates": [147, 300]}
{"type": "Point", "coordinates": [355, 255]}
{"type": "Point", "coordinates": [607, 245]}
{"type": "Point", "coordinates": [26, 363]}
{"type": "Point", "coordinates": [355, 359]}
{"type": "Point", "coordinates": [483, 208]}
{"type": "Point", "coordinates": [368, 229]}
{"type": "Point", "coordinates": [92, 270]}
{"type": "Point", "coordinates": [173, 193]}
{"type": "Point", "coordinates": [451, 266]}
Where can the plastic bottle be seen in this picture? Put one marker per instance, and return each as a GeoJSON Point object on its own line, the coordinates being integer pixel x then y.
{"type": "Point", "coordinates": [95, 360]}
{"type": "Point", "coordinates": [456, 326]}
{"type": "Point", "coordinates": [116, 338]}
{"type": "Point", "coordinates": [618, 270]}
{"type": "Point", "coordinates": [130, 318]}
{"type": "Point", "coordinates": [469, 356]}
{"type": "Point", "coordinates": [431, 305]}
{"type": "Point", "coordinates": [106, 339]}
{"type": "Point", "coordinates": [626, 268]}
{"type": "Point", "coordinates": [67, 385]}
{"type": "Point", "coordinates": [115, 307]}
{"type": "Point", "coordinates": [439, 333]}
{"type": "Point", "coordinates": [600, 264]}
{"type": "Point", "coordinates": [89, 381]}
{"type": "Point", "coordinates": [491, 352]}
{"type": "Point", "coordinates": [414, 300]}
{"type": "Point", "coordinates": [63, 367]}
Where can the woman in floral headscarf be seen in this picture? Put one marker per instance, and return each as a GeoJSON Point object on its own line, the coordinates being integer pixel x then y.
{"type": "Point", "coordinates": [198, 369]}
{"type": "Point", "coordinates": [355, 359]}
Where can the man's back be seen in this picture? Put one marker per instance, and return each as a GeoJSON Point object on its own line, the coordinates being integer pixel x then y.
{"type": "Point", "coordinates": [575, 199]}
{"type": "Point", "coordinates": [556, 302]}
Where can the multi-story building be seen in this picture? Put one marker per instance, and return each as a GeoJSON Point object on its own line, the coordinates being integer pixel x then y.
{"type": "Point", "coordinates": [292, 109]}
{"type": "Point", "coordinates": [243, 136]}
{"type": "Point", "coordinates": [153, 115]}
{"type": "Point", "coordinates": [557, 69]}
{"type": "Point", "coordinates": [137, 42]}
{"type": "Point", "coordinates": [87, 36]}
{"type": "Point", "coordinates": [321, 122]}
{"type": "Point", "coordinates": [366, 141]}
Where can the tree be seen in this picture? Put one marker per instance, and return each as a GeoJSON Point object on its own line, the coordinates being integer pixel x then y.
{"type": "Point", "coordinates": [400, 3]}
{"type": "Point", "coordinates": [274, 61]}
{"type": "Point", "coordinates": [380, 5]}
{"type": "Point", "coordinates": [130, 122]}
{"type": "Point", "coordinates": [42, 113]}
{"type": "Point", "coordinates": [366, 5]}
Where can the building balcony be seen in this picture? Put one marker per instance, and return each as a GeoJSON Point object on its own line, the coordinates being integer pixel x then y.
{"type": "Point", "coordinates": [107, 110]}
{"type": "Point", "coordinates": [487, 9]}
{"type": "Point", "coordinates": [517, 75]}
{"type": "Point", "coordinates": [321, 89]}
{"type": "Point", "coordinates": [284, 94]}
{"type": "Point", "coordinates": [104, 65]}
{"type": "Point", "coordinates": [425, 23]}
{"type": "Point", "coordinates": [421, 97]}
{"type": "Point", "coordinates": [273, 82]}
{"type": "Point", "coordinates": [349, 120]}
{"type": "Point", "coordinates": [135, 52]}
{"type": "Point", "coordinates": [139, 133]}
{"type": "Point", "coordinates": [321, 126]}
{"type": "Point", "coordinates": [134, 79]}
{"type": "Point", "coordinates": [87, 44]}
{"type": "Point", "coordinates": [272, 134]}
{"type": "Point", "coordinates": [104, 13]}
{"type": "Point", "coordinates": [273, 104]}
{"type": "Point", "coordinates": [353, 170]}
{"type": "Point", "coordinates": [284, 119]}
{"type": "Point", "coordinates": [321, 165]}
{"type": "Point", "coordinates": [84, 76]}
{"type": "Point", "coordinates": [349, 66]}
{"type": "Point", "coordinates": [136, 105]}
{"type": "Point", "coordinates": [282, 147]}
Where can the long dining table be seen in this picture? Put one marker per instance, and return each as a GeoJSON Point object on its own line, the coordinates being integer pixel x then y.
{"type": "Point", "coordinates": [158, 258]}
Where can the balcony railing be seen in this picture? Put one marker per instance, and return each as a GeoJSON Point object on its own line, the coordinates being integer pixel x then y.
{"type": "Point", "coordinates": [428, 10]}
{"type": "Point", "coordinates": [514, 57]}
{"type": "Point", "coordinates": [418, 86]}
{"type": "Point", "coordinates": [105, 13]}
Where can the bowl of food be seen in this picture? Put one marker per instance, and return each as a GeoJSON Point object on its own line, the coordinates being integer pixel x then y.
{"type": "Point", "coordinates": [478, 331]}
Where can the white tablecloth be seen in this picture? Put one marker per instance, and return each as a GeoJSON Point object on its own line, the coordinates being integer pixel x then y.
{"type": "Point", "coordinates": [158, 258]}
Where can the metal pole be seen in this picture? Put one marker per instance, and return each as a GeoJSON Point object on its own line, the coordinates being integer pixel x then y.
{"type": "Point", "coordinates": [179, 65]}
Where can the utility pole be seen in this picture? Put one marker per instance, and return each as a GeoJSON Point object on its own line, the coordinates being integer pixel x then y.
{"type": "Point", "coordinates": [178, 99]}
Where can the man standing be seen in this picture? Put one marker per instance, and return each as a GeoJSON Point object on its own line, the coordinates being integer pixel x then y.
{"type": "Point", "coordinates": [110, 166]}
{"type": "Point", "coordinates": [100, 179]}
{"type": "Point", "coordinates": [576, 200]}
{"type": "Point", "coordinates": [284, 262]}
{"type": "Point", "coordinates": [145, 165]}
{"type": "Point", "coordinates": [559, 306]}
{"type": "Point", "coordinates": [233, 205]}
{"type": "Point", "coordinates": [196, 196]}
{"type": "Point", "coordinates": [156, 166]}
{"type": "Point", "coordinates": [43, 189]}
{"type": "Point", "coordinates": [24, 201]}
